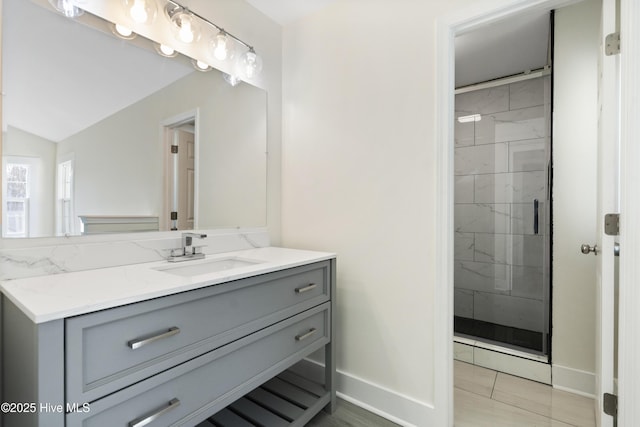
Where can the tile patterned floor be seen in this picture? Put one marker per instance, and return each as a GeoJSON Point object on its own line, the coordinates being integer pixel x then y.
{"type": "Point", "coordinates": [486, 398]}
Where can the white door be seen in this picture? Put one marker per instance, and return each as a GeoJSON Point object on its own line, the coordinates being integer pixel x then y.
{"type": "Point", "coordinates": [608, 202]}
{"type": "Point", "coordinates": [186, 165]}
{"type": "Point", "coordinates": [180, 170]}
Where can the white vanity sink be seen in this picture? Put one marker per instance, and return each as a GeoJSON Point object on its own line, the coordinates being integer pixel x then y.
{"type": "Point", "coordinates": [206, 267]}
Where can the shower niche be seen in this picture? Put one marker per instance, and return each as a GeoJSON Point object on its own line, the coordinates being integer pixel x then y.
{"type": "Point", "coordinates": [503, 214]}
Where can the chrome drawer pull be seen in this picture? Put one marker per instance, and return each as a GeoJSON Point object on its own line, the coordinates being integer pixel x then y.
{"type": "Point", "coordinates": [306, 288]}
{"type": "Point", "coordinates": [306, 335]}
{"type": "Point", "coordinates": [146, 419]}
{"type": "Point", "coordinates": [137, 343]}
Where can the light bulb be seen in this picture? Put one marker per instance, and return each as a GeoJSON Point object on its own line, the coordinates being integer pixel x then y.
{"type": "Point", "coordinates": [200, 65]}
{"type": "Point", "coordinates": [222, 46]}
{"type": "Point", "coordinates": [123, 32]}
{"type": "Point", "coordinates": [67, 8]}
{"type": "Point", "coordinates": [250, 64]}
{"type": "Point", "coordinates": [141, 11]}
{"type": "Point", "coordinates": [167, 50]}
{"type": "Point", "coordinates": [186, 26]}
{"type": "Point", "coordinates": [138, 13]}
{"type": "Point", "coordinates": [186, 34]}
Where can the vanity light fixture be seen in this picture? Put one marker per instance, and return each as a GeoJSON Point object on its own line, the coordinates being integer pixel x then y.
{"type": "Point", "coordinates": [123, 32]}
{"type": "Point", "coordinates": [222, 46]}
{"type": "Point", "coordinates": [165, 50]}
{"type": "Point", "coordinates": [67, 7]}
{"type": "Point", "coordinates": [201, 66]}
{"type": "Point", "coordinates": [141, 11]}
{"type": "Point", "coordinates": [470, 118]}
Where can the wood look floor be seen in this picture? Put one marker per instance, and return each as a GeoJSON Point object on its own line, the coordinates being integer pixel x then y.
{"type": "Point", "coordinates": [486, 398]}
{"type": "Point", "coordinates": [349, 415]}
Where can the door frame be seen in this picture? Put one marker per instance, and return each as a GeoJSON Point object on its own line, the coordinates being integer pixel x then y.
{"type": "Point", "coordinates": [608, 163]}
{"type": "Point", "coordinates": [629, 288]}
{"type": "Point", "coordinates": [166, 129]}
{"type": "Point", "coordinates": [474, 17]}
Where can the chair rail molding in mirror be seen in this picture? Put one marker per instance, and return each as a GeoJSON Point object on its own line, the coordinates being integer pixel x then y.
{"type": "Point", "coordinates": [96, 115]}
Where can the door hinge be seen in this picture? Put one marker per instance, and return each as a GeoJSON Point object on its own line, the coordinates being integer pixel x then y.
{"type": "Point", "coordinates": [174, 149]}
{"type": "Point", "coordinates": [610, 404]}
{"type": "Point", "coordinates": [612, 44]}
{"type": "Point", "coordinates": [612, 224]}
{"type": "Point", "coordinates": [174, 216]}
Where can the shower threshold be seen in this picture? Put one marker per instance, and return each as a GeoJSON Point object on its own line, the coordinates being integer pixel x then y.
{"type": "Point", "coordinates": [495, 356]}
{"type": "Point", "coordinates": [499, 347]}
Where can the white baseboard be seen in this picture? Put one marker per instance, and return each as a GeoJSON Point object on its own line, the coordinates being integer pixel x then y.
{"type": "Point", "coordinates": [400, 409]}
{"type": "Point", "coordinates": [573, 380]}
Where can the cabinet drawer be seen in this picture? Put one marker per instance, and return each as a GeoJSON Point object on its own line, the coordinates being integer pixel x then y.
{"type": "Point", "coordinates": [109, 350]}
{"type": "Point", "coordinates": [189, 393]}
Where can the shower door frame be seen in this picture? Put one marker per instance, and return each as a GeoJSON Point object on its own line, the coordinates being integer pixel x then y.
{"type": "Point", "coordinates": [484, 14]}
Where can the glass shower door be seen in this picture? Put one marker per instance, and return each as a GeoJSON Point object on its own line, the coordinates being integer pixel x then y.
{"type": "Point", "coordinates": [502, 215]}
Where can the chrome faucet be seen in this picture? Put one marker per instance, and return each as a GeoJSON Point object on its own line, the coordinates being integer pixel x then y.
{"type": "Point", "coordinates": [187, 251]}
{"type": "Point", "coordinates": [187, 242]}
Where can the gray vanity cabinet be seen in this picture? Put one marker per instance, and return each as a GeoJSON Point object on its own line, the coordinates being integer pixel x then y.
{"type": "Point", "coordinates": [178, 359]}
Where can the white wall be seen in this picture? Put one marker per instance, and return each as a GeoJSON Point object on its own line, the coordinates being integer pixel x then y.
{"type": "Point", "coordinates": [358, 179]}
{"type": "Point", "coordinates": [246, 22]}
{"type": "Point", "coordinates": [574, 188]}
{"type": "Point", "coordinates": [120, 162]}
{"type": "Point", "coordinates": [358, 170]}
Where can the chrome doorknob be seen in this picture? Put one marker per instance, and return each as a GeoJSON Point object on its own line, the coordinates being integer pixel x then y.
{"type": "Point", "coordinates": [586, 249]}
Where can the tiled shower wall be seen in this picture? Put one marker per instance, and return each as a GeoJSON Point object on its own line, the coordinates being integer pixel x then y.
{"type": "Point", "coordinates": [501, 271]}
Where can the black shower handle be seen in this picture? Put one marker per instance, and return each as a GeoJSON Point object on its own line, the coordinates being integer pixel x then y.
{"type": "Point", "coordinates": [535, 216]}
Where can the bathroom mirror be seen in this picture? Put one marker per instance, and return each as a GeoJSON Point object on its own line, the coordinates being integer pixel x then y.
{"type": "Point", "coordinates": [88, 124]}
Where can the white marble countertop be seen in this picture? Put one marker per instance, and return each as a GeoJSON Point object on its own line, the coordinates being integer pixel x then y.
{"type": "Point", "coordinates": [56, 296]}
